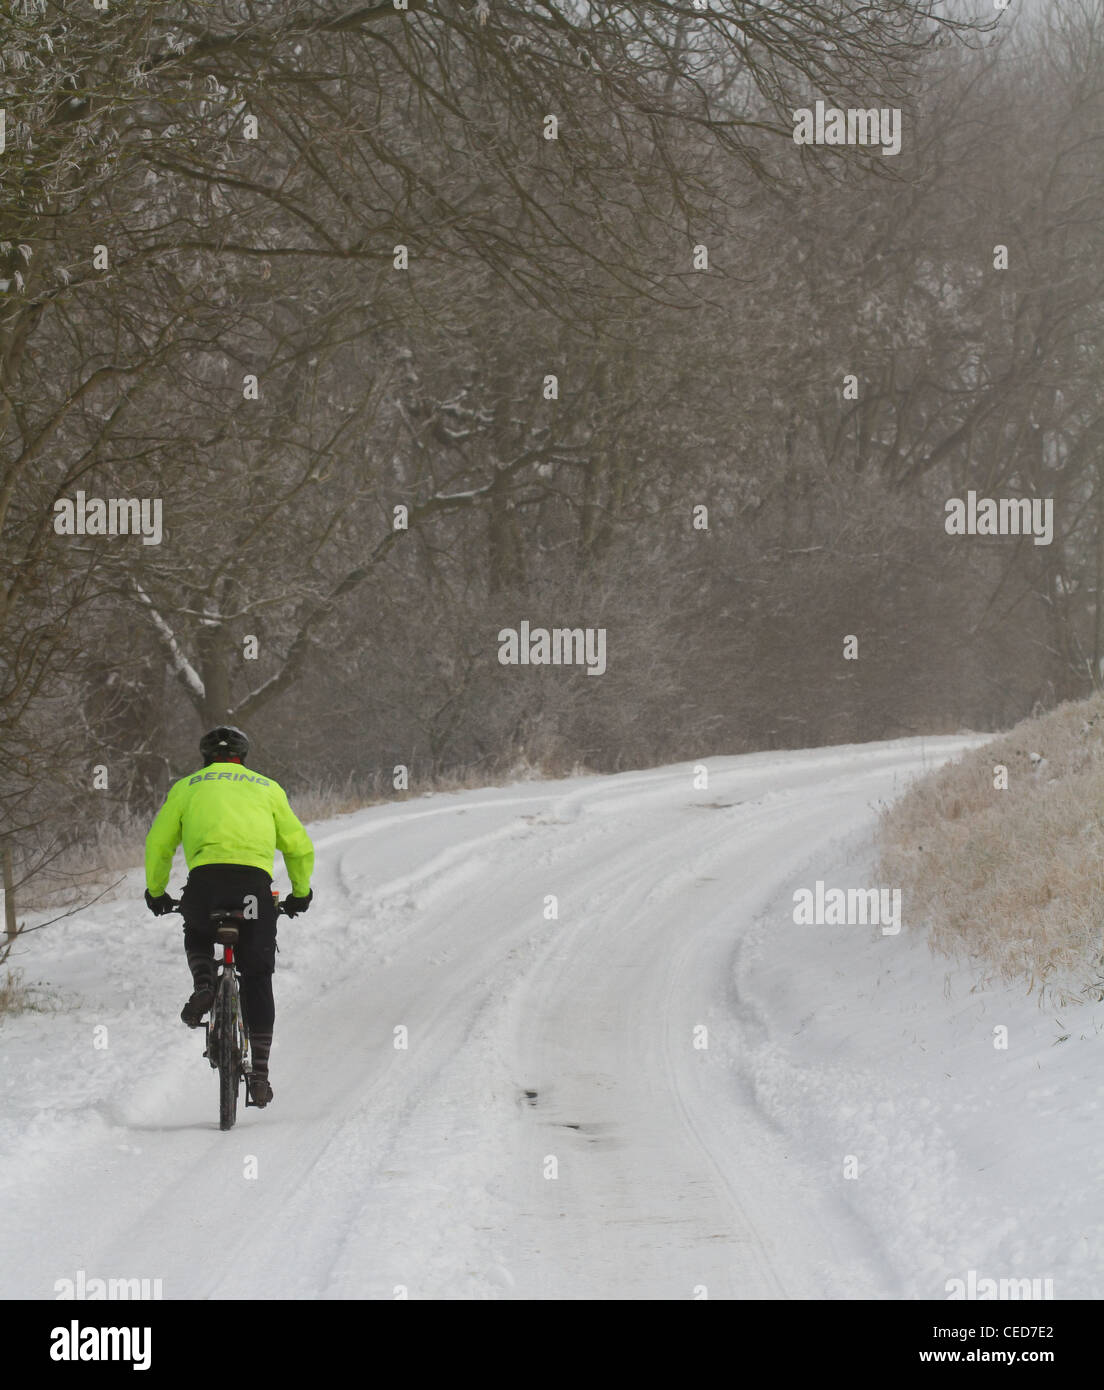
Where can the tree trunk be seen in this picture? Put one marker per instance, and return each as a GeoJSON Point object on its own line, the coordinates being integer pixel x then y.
{"type": "Point", "coordinates": [213, 653]}
{"type": "Point", "coordinates": [1098, 597]}
{"type": "Point", "coordinates": [9, 895]}
{"type": "Point", "coordinates": [503, 540]}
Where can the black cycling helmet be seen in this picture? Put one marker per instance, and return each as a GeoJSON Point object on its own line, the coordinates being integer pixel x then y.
{"type": "Point", "coordinates": [223, 742]}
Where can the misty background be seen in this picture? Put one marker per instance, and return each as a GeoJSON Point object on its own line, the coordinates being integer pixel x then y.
{"type": "Point", "coordinates": [123, 371]}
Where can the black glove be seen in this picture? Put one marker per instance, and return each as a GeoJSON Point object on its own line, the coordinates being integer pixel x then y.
{"type": "Point", "coordinates": [293, 906]}
{"type": "Point", "coordinates": [159, 906]}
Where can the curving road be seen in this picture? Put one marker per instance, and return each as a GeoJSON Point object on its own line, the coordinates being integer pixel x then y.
{"type": "Point", "coordinates": [567, 1117]}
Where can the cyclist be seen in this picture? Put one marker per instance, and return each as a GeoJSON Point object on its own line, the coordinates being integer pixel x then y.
{"type": "Point", "coordinates": [232, 822]}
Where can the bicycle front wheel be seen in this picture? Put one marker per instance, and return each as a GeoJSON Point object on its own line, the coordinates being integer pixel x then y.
{"type": "Point", "coordinates": [229, 1060]}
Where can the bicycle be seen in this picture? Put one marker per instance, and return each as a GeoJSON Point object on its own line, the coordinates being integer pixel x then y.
{"type": "Point", "coordinates": [226, 1044]}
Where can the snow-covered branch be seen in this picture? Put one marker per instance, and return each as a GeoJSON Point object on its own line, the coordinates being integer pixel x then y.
{"type": "Point", "coordinates": [181, 665]}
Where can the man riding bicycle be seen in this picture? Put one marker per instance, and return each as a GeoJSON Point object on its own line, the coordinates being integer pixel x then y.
{"type": "Point", "coordinates": [232, 822]}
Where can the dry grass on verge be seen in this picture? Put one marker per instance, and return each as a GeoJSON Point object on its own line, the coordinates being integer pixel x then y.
{"type": "Point", "coordinates": [1012, 880]}
{"type": "Point", "coordinates": [19, 998]}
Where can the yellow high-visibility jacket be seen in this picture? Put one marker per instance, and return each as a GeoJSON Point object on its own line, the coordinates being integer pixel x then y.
{"type": "Point", "coordinates": [226, 814]}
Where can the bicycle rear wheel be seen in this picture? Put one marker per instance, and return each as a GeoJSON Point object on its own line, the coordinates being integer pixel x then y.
{"type": "Point", "coordinates": [229, 1059]}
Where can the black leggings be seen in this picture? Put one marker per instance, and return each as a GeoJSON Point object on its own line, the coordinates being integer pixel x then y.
{"type": "Point", "coordinates": [229, 886]}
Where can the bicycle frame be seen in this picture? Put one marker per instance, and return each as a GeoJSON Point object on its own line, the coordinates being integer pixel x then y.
{"type": "Point", "coordinates": [227, 979]}
{"type": "Point", "coordinates": [227, 1044]}
{"type": "Point", "coordinates": [226, 1039]}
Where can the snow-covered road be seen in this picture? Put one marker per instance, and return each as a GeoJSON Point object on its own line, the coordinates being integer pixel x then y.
{"type": "Point", "coordinates": [651, 1093]}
